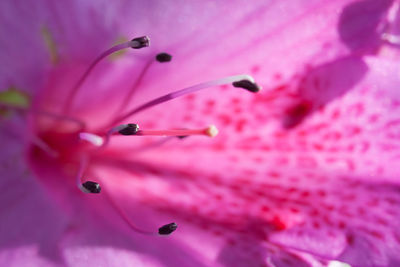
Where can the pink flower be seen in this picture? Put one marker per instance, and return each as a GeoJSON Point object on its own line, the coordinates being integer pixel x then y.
{"type": "Point", "coordinates": [301, 173]}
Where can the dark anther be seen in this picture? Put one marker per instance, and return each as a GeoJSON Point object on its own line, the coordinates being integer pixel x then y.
{"type": "Point", "coordinates": [92, 187]}
{"type": "Point", "coordinates": [163, 57]}
{"type": "Point", "coordinates": [167, 229]}
{"type": "Point", "coordinates": [140, 42]}
{"type": "Point", "coordinates": [248, 85]}
{"type": "Point", "coordinates": [130, 129]}
{"type": "Point", "coordinates": [182, 136]}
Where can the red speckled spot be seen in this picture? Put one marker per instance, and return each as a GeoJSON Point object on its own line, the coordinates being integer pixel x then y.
{"type": "Point", "coordinates": [296, 114]}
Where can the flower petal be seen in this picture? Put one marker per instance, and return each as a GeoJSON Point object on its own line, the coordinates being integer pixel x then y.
{"type": "Point", "coordinates": [327, 186]}
{"type": "Point", "coordinates": [269, 40]}
{"type": "Point", "coordinates": [276, 205]}
{"type": "Point", "coordinates": [64, 227]}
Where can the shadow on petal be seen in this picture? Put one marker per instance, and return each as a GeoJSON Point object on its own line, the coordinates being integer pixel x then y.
{"type": "Point", "coordinates": [359, 24]}
{"type": "Point", "coordinates": [323, 84]}
{"type": "Point", "coordinates": [254, 254]}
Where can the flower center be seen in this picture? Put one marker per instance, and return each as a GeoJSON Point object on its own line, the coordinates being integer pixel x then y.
{"type": "Point", "coordinates": [67, 140]}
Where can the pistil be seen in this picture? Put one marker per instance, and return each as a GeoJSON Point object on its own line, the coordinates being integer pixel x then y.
{"type": "Point", "coordinates": [87, 186]}
{"type": "Point", "coordinates": [210, 131]}
{"type": "Point", "coordinates": [132, 129]}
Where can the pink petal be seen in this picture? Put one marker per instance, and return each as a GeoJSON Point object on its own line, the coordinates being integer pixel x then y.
{"type": "Point", "coordinates": [328, 186]}
{"type": "Point", "coordinates": [24, 60]}
{"type": "Point", "coordinates": [293, 167]}
{"type": "Point", "coordinates": [258, 38]}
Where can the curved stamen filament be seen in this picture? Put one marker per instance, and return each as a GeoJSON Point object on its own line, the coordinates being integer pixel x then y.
{"type": "Point", "coordinates": [88, 187]}
{"type": "Point", "coordinates": [32, 137]}
{"type": "Point", "coordinates": [92, 187]}
{"type": "Point", "coordinates": [49, 114]}
{"type": "Point", "coordinates": [55, 116]}
{"type": "Point", "coordinates": [79, 176]}
{"type": "Point", "coordinates": [135, 43]}
{"type": "Point", "coordinates": [182, 92]}
{"type": "Point", "coordinates": [162, 58]}
{"type": "Point", "coordinates": [163, 230]}
{"type": "Point", "coordinates": [37, 141]}
{"type": "Point", "coordinates": [134, 87]}
{"type": "Point", "coordinates": [125, 218]}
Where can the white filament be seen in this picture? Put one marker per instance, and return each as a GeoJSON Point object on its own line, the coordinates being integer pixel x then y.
{"type": "Point", "coordinates": [92, 138]}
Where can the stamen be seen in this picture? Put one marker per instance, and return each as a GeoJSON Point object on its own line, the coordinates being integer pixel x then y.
{"type": "Point", "coordinates": [185, 91]}
{"type": "Point", "coordinates": [37, 141]}
{"type": "Point", "coordinates": [135, 43]}
{"type": "Point", "coordinates": [167, 229]}
{"type": "Point", "coordinates": [248, 85]}
{"type": "Point", "coordinates": [94, 188]}
{"type": "Point", "coordinates": [163, 57]}
{"type": "Point", "coordinates": [15, 130]}
{"type": "Point", "coordinates": [88, 186]}
{"type": "Point", "coordinates": [123, 129]}
{"type": "Point", "coordinates": [78, 122]}
{"type": "Point", "coordinates": [129, 129]}
{"type": "Point", "coordinates": [55, 116]}
{"type": "Point", "coordinates": [127, 99]}
{"type": "Point", "coordinates": [164, 230]}
{"type": "Point", "coordinates": [140, 42]}
{"type": "Point", "coordinates": [91, 187]}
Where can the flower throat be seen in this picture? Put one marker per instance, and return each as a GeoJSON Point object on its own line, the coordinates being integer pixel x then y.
{"type": "Point", "coordinates": [95, 142]}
